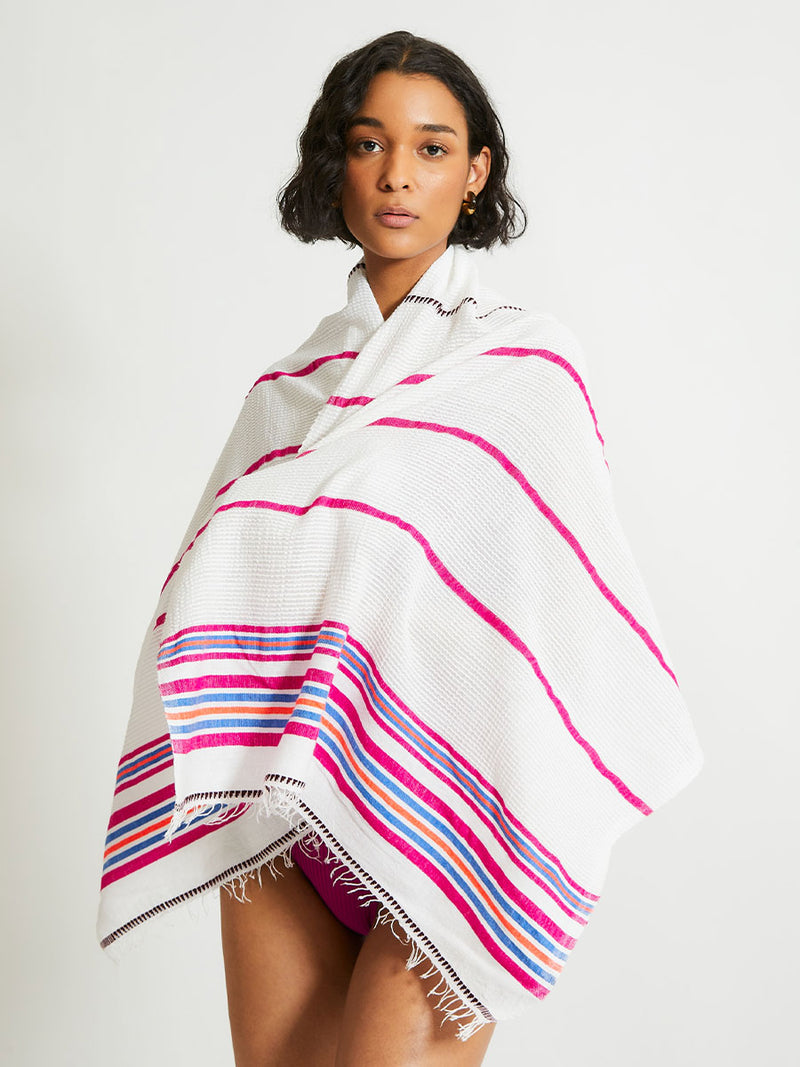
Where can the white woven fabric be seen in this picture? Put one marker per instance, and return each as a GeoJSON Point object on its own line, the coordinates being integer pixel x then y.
{"type": "Point", "coordinates": [405, 615]}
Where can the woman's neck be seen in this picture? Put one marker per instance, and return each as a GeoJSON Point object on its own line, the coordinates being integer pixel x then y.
{"type": "Point", "coordinates": [391, 280]}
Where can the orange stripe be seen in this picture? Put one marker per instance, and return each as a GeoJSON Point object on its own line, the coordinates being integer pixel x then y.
{"type": "Point", "coordinates": [225, 709]}
{"type": "Point", "coordinates": [143, 762]}
{"type": "Point", "coordinates": [199, 713]}
{"type": "Point", "coordinates": [135, 837]}
{"type": "Point", "coordinates": [307, 702]}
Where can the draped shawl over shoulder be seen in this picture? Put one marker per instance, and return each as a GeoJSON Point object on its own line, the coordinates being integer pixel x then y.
{"type": "Point", "coordinates": [405, 617]}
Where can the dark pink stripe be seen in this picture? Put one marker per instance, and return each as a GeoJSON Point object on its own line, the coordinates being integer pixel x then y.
{"type": "Point", "coordinates": [481, 610]}
{"type": "Point", "coordinates": [276, 453]}
{"type": "Point", "coordinates": [514, 471]}
{"type": "Point", "coordinates": [415, 379]}
{"type": "Point", "coordinates": [188, 548]}
{"type": "Point", "coordinates": [348, 401]}
{"type": "Point", "coordinates": [160, 620]}
{"type": "Point", "coordinates": [469, 770]}
{"type": "Point", "coordinates": [136, 807]}
{"type": "Point", "coordinates": [544, 353]}
{"type": "Point", "coordinates": [424, 864]}
{"type": "Point", "coordinates": [216, 627]}
{"type": "Point", "coordinates": [271, 376]}
{"type": "Point", "coordinates": [435, 803]}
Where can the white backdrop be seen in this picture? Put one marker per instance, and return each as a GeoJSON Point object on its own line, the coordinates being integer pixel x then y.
{"type": "Point", "coordinates": [143, 270]}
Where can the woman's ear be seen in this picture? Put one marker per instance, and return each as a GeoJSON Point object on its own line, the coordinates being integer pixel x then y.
{"type": "Point", "coordinates": [479, 168]}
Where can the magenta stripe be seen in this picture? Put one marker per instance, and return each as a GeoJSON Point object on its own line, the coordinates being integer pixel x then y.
{"type": "Point", "coordinates": [271, 376]}
{"type": "Point", "coordinates": [178, 562]}
{"type": "Point", "coordinates": [216, 627]}
{"type": "Point", "coordinates": [424, 864]}
{"type": "Point", "coordinates": [499, 829]}
{"type": "Point", "coordinates": [136, 807]}
{"type": "Point", "coordinates": [544, 353]}
{"type": "Point", "coordinates": [436, 804]}
{"type": "Point", "coordinates": [348, 401]}
{"type": "Point", "coordinates": [458, 759]}
{"type": "Point", "coordinates": [513, 470]}
{"type": "Point", "coordinates": [160, 620]}
{"type": "Point", "coordinates": [481, 610]}
{"type": "Point", "coordinates": [414, 379]}
{"type": "Point", "coordinates": [240, 681]}
{"type": "Point", "coordinates": [276, 453]}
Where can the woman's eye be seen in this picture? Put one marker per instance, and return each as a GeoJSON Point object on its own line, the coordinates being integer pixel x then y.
{"type": "Point", "coordinates": [435, 150]}
{"type": "Point", "coordinates": [368, 146]}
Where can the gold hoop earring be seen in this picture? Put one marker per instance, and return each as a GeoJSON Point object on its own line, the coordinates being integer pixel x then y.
{"type": "Point", "coordinates": [468, 204]}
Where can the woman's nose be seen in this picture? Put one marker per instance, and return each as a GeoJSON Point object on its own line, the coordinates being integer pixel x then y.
{"type": "Point", "coordinates": [396, 172]}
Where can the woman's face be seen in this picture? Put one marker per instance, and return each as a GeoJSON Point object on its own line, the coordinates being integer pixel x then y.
{"type": "Point", "coordinates": [408, 169]}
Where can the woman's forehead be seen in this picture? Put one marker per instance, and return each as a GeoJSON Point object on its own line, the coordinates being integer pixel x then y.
{"type": "Point", "coordinates": [414, 99]}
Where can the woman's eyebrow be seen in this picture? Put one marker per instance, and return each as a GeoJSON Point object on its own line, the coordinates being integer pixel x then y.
{"type": "Point", "coordinates": [424, 127]}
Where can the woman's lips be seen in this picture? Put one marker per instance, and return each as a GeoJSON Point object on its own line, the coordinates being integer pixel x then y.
{"type": "Point", "coordinates": [395, 221]}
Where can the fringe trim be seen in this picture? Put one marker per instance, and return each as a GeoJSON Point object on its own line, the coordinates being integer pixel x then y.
{"type": "Point", "coordinates": [281, 796]}
{"type": "Point", "coordinates": [203, 805]}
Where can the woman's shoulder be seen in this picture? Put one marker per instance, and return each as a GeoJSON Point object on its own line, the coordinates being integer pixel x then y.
{"type": "Point", "coordinates": [509, 324]}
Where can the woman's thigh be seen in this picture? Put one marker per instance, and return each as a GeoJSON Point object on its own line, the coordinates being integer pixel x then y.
{"type": "Point", "coordinates": [389, 1021]}
{"type": "Point", "coordinates": [288, 964]}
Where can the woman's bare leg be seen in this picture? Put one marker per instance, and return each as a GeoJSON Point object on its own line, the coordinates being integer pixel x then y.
{"type": "Point", "coordinates": [390, 1022]}
{"type": "Point", "coordinates": [288, 963]}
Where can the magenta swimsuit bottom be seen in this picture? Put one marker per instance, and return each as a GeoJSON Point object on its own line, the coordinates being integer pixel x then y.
{"type": "Point", "coordinates": [357, 915]}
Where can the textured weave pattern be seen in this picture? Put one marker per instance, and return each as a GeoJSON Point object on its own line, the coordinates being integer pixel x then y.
{"type": "Point", "coordinates": [405, 616]}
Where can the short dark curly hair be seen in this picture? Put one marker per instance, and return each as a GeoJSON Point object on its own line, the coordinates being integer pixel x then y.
{"type": "Point", "coordinates": [306, 201]}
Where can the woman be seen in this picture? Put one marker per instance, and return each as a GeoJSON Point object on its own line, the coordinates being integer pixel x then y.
{"type": "Point", "coordinates": [404, 630]}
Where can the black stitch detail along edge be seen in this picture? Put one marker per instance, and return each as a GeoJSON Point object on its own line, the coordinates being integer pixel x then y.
{"type": "Point", "coordinates": [416, 298]}
{"type": "Point", "coordinates": [282, 845]}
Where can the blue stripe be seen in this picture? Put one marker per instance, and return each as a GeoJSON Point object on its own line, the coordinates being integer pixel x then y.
{"type": "Point", "coordinates": [215, 696]}
{"type": "Point", "coordinates": [232, 723]}
{"type": "Point", "coordinates": [249, 696]}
